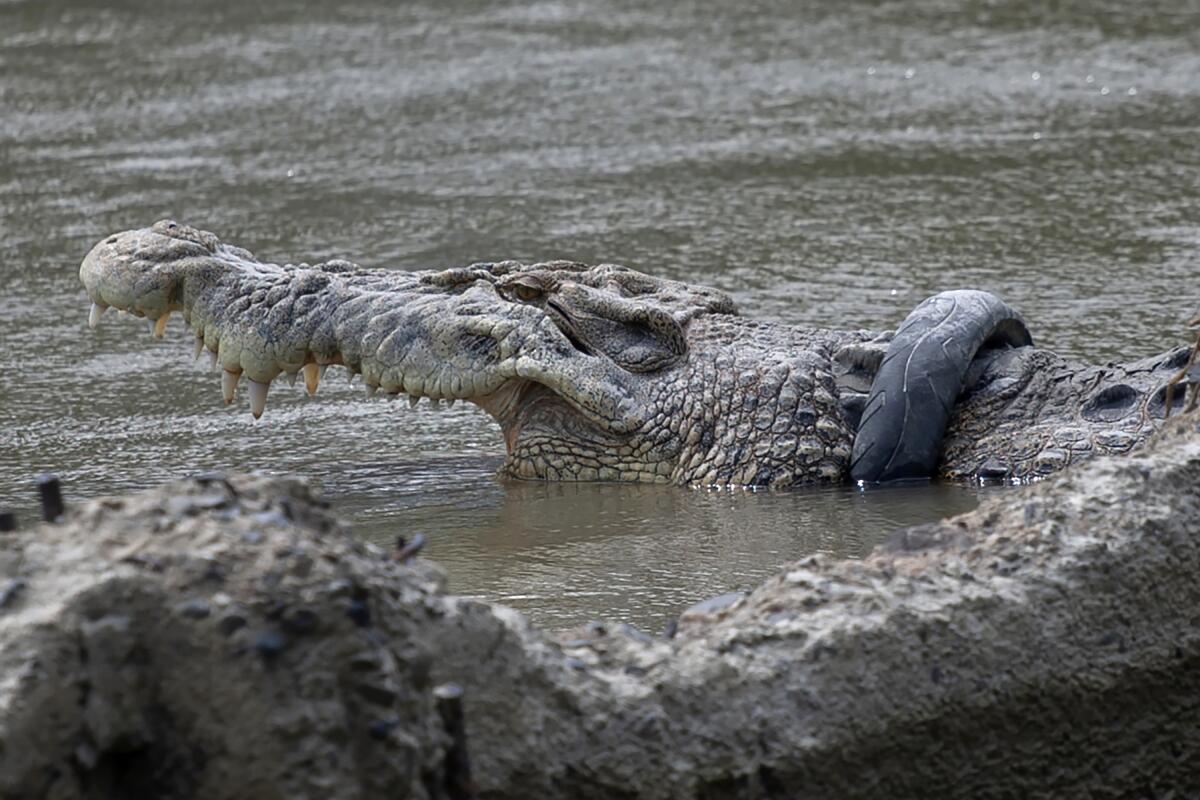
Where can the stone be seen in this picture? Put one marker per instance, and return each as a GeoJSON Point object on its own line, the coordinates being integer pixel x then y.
{"type": "Point", "coordinates": [1043, 645]}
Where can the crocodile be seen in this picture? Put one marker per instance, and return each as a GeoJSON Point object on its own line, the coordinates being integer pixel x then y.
{"type": "Point", "coordinates": [604, 373]}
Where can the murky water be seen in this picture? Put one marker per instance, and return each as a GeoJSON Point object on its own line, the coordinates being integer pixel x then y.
{"type": "Point", "coordinates": [825, 162]}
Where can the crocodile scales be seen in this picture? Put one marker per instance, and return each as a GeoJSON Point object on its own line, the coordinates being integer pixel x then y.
{"type": "Point", "coordinates": [605, 373]}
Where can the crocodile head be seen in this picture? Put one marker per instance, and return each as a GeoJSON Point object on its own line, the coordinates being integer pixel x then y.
{"type": "Point", "coordinates": [603, 373]}
{"type": "Point", "coordinates": [564, 357]}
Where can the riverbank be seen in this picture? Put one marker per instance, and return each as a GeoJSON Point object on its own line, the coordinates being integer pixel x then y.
{"type": "Point", "coordinates": [230, 637]}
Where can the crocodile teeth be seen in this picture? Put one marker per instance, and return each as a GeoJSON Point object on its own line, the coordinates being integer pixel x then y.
{"type": "Point", "coordinates": [435, 403]}
{"type": "Point", "coordinates": [350, 375]}
{"type": "Point", "coordinates": [312, 377]}
{"type": "Point", "coordinates": [258, 397]}
{"type": "Point", "coordinates": [450, 403]}
{"type": "Point", "coordinates": [94, 314]}
{"type": "Point", "coordinates": [160, 325]}
{"type": "Point", "coordinates": [291, 377]}
{"type": "Point", "coordinates": [150, 326]}
{"type": "Point", "coordinates": [370, 390]}
{"type": "Point", "coordinates": [199, 348]}
{"type": "Point", "coordinates": [413, 400]}
{"type": "Point", "coordinates": [321, 370]}
{"type": "Point", "coordinates": [229, 382]}
{"type": "Point", "coordinates": [212, 359]}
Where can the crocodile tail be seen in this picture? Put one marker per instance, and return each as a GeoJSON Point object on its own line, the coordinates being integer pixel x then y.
{"type": "Point", "coordinates": [900, 433]}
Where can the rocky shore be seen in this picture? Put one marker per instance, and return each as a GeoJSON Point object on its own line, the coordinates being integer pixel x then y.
{"type": "Point", "coordinates": [229, 637]}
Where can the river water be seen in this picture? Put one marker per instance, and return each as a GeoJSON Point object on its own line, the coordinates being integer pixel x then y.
{"type": "Point", "coordinates": [824, 162]}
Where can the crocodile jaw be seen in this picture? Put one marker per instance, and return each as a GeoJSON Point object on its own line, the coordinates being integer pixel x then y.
{"type": "Point", "coordinates": [400, 331]}
{"type": "Point", "coordinates": [618, 396]}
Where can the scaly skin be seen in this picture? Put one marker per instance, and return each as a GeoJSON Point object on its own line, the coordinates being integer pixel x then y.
{"type": "Point", "coordinates": [1030, 412]}
{"type": "Point", "coordinates": [604, 373]}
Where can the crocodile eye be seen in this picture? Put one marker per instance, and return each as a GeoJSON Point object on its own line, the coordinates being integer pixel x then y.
{"type": "Point", "coordinates": [526, 293]}
{"type": "Point", "coordinates": [526, 289]}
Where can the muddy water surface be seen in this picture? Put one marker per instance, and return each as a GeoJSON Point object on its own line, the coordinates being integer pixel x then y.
{"type": "Point", "coordinates": [824, 162]}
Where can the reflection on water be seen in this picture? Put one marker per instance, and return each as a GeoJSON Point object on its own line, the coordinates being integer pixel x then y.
{"type": "Point", "coordinates": [567, 553]}
{"type": "Point", "coordinates": [826, 162]}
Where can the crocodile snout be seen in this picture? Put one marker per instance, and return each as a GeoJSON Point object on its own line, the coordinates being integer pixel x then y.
{"type": "Point", "coordinates": [139, 270]}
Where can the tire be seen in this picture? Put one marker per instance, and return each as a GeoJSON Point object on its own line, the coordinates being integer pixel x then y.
{"type": "Point", "coordinates": [899, 436]}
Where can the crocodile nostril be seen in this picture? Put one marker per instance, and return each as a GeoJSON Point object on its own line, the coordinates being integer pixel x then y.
{"type": "Point", "coordinates": [1110, 403]}
{"type": "Point", "coordinates": [111, 240]}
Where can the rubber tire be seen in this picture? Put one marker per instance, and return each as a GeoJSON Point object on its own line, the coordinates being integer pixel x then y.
{"type": "Point", "coordinates": [899, 436]}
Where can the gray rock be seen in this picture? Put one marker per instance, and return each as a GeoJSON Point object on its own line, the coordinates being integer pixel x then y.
{"type": "Point", "coordinates": [713, 605]}
{"type": "Point", "coordinates": [1043, 645]}
{"type": "Point", "coordinates": [193, 609]}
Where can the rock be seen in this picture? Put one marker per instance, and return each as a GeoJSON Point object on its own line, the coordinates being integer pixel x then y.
{"type": "Point", "coordinates": [1043, 645]}
{"type": "Point", "coordinates": [10, 591]}
{"type": "Point", "coordinates": [713, 605]}
{"type": "Point", "coordinates": [193, 609]}
{"type": "Point", "coordinates": [106, 693]}
{"type": "Point", "coordinates": [230, 623]}
{"type": "Point", "coordinates": [301, 621]}
{"type": "Point", "coordinates": [360, 612]}
{"type": "Point", "coordinates": [270, 644]}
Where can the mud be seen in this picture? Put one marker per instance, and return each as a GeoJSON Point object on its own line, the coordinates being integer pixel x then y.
{"type": "Point", "coordinates": [228, 637]}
